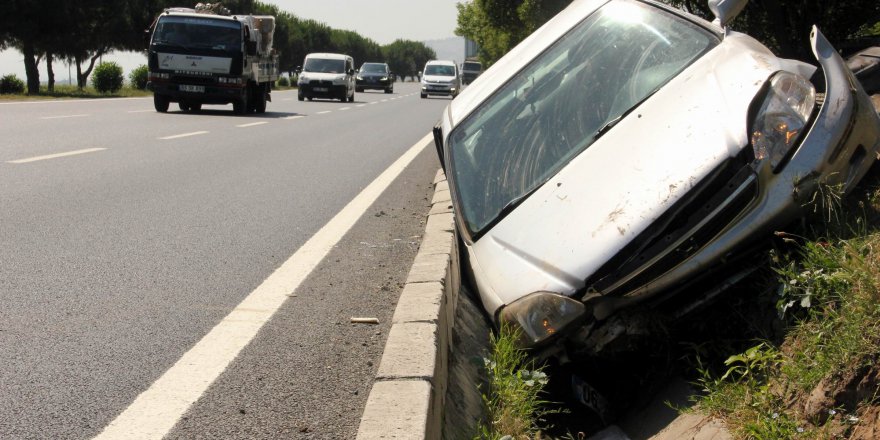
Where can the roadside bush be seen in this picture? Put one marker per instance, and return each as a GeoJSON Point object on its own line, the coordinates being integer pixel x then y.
{"type": "Point", "coordinates": [107, 77]}
{"type": "Point", "coordinates": [138, 77]}
{"type": "Point", "coordinates": [283, 82]}
{"type": "Point", "coordinates": [10, 84]}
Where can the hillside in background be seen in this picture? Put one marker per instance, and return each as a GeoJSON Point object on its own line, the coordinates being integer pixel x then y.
{"type": "Point", "coordinates": [448, 48]}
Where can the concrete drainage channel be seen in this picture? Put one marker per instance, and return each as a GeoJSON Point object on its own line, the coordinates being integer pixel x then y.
{"type": "Point", "coordinates": [429, 379]}
{"type": "Point", "coordinates": [423, 354]}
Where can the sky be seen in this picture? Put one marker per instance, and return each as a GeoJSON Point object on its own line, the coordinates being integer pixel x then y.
{"type": "Point", "coordinates": [383, 21]}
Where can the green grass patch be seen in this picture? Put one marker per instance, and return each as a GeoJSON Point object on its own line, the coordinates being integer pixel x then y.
{"type": "Point", "coordinates": [71, 92]}
{"type": "Point", "coordinates": [514, 403]}
{"type": "Point", "coordinates": [814, 383]}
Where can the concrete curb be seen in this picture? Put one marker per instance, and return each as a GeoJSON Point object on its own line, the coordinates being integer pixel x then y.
{"type": "Point", "coordinates": [406, 400]}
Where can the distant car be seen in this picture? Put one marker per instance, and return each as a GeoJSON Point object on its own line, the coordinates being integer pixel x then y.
{"type": "Point", "coordinates": [628, 152]}
{"type": "Point", "coordinates": [375, 76]}
{"type": "Point", "coordinates": [440, 78]}
{"type": "Point", "coordinates": [470, 70]}
{"type": "Point", "coordinates": [327, 75]}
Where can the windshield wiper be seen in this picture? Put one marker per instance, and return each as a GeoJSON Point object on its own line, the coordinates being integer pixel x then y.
{"type": "Point", "coordinates": [506, 209]}
{"type": "Point", "coordinates": [611, 123]}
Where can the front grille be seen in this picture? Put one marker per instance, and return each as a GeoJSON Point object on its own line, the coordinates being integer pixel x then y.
{"type": "Point", "coordinates": [320, 82]}
{"type": "Point", "coordinates": [683, 230]}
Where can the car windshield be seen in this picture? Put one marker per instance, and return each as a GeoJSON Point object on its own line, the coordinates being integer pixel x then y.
{"type": "Point", "coordinates": [323, 65]}
{"type": "Point", "coordinates": [373, 68]}
{"type": "Point", "coordinates": [197, 32]}
{"type": "Point", "coordinates": [471, 66]}
{"type": "Point", "coordinates": [439, 70]}
{"type": "Point", "coordinates": [562, 101]}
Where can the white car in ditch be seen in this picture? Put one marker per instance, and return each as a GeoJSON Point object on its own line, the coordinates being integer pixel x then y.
{"type": "Point", "coordinates": [628, 150]}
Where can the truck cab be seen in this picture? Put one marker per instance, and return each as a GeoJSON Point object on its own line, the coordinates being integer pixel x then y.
{"type": "Point", "coordinates": [197, 57]}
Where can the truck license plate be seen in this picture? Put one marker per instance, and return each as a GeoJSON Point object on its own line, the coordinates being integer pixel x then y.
{"type": "Point", "coordinates": [320, 89]}
{"type": "Point", "coordinates": [196, 89]}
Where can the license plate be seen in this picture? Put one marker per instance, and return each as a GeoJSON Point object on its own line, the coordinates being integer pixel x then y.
{"type": "Point", "coordinates": [321, 89]}
{"type": "Point", "coordinates": [196, 89]}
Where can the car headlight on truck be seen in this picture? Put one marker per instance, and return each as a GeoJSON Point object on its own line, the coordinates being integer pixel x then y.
{"type": "Point", "coordinates": [782, 117]}
{"type": "Point", "coordinates": [540, 316]}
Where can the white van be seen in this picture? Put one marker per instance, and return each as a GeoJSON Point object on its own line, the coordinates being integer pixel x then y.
{"type": "Point", "coordinates": [327, 75]}
{"type": "Point", "coordinates": [441, 78]}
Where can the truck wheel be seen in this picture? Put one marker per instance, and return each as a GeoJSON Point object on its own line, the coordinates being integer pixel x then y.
{"type": "Point", "coordinates": [300, 97]}
{"type": "Point", "coordinates": [196, 107]}
{"type": "Point", "coordinates": [260, 101]}
{"type": "Point", "coordinates": [184, 106]}
{"type": "Point", "coordinates": [351, 98]}
{"type": "Point", "coordinates": [240, 106]}
{"type": "Point", "coordinates": [161, 103]}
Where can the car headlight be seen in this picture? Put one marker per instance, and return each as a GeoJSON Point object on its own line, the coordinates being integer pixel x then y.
{"type": "Point", "coordinates": [540, 316]}
{"type": "Point", "coordinates": [303, 79]}
{"type": "Point", "coordinates": [384, 78]}
{"type": "Point", "coordinates": [782, 117]}
{"type": "Point", "coordinates": [360, 78]}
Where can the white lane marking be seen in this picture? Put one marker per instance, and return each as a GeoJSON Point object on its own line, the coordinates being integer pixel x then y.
{"type": "Point", "coordinates": [63, 117]}
{"type": "Point", "coordinates": [344, 109]}
{"type": "Point", "coordinates": [287, 99]}
{"type": "Point", "coordinates": [384, 100]}
{"type": "Point", "coordinates": [140, 111]}
{"type": "Point", "coordinates": [360, 105]}
{"type": "Point", "coordinates": [374, 102]}
{"type": "Point", "coordinates": [177, 136]}
{"type": "Point", "coordinates": [251, 124]}
{"type": "Point", "coordinates": [56, 155]}
{"type": "Point", "coordinates": [294, 117]}
{"type": "Point", "coordinates": [157, 410]}
{"type": "Point", "coordinates": [324, 112]}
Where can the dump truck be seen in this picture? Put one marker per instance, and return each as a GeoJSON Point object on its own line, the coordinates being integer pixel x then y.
{"type": "Point", "coordinates": [205, 55]}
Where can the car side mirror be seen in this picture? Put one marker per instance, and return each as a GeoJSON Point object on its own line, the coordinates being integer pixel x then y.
{"type": "Point", "coordinates": [438, 143]}
{"type": "Point", "coordinates": [726, 10]}
{"type": "Point", "coordinates": [251, 47]}
{"type": "Point", "coordinates": [298, 70]}
{"type": "Point", "coordinates": [147, 35]}
{"type": "Point", "coordinates": [351, 71]}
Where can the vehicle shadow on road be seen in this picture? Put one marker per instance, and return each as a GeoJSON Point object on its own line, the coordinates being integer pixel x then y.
{"type": "Point", "coordinates": [230, 113]}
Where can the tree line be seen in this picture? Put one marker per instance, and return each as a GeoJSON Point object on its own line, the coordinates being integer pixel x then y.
{"type": "Point", "coordinates": [80, 32]}
{"type": "Point", "coordinates": [782, 25]}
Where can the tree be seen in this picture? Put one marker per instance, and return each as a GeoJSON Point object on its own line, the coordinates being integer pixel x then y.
{"type": "Point", "coordinates": [407, 57]}
{"type": "Point", "coordinates": [499, 25]}
{"type": "Point", "coordinates": [784, 25]}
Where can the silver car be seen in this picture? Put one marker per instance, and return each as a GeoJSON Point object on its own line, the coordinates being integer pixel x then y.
{"type": "Point", "coordinates": [628, 150]}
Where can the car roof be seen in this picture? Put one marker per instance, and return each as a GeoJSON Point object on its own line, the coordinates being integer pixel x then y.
{"type": "Point", "coordinates": [440, 63]}
{"type": "Point", "coordinates": [331, 56]}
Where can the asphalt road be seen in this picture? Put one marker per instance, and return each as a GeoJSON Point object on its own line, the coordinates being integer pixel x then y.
{"type": "Point", "coordinates": [127, 235]}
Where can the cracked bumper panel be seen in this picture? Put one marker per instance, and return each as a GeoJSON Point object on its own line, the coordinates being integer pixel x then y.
{"type": "Point", "coordinates": [839, 148]}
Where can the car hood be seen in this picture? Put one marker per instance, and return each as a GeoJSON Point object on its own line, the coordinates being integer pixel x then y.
{"type": "Point", "coordinates": [616, 188]}
{"type": "Point", "coordinates": [322, 76]}
{"type": "Point", "coordinates": [438, 78]}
